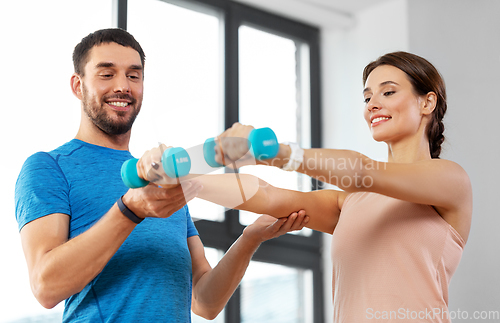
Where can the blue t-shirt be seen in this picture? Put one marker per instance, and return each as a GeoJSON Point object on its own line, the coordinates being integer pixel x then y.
{"type": "Point", "coordinates": [149, 277]}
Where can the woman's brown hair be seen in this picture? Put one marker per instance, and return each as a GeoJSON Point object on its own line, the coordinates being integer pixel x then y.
{"type": "Point", "coordinates": [424, 78]}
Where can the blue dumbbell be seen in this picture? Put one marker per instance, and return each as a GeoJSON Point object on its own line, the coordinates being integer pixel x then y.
{"type": "Point", "coordinates": [175, 162]}
{"type": "Point", "coordinates": [263, 145]}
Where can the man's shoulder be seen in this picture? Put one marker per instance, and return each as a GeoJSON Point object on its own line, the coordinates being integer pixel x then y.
{"type": "Point", "coordinates": [65, 149]}
{"type": "Point", "coordinates": [49, 159]}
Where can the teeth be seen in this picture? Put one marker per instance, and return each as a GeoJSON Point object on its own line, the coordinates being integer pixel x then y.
{"type": "Point", "coordinates": [118, 104]}
{"type": "Point", "coordinates": [380, 119]}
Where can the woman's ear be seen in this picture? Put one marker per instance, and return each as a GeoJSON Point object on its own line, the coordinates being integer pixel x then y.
{"type": "Point", "coordinates": [429, 102]}
{"type": "Point", "coordinates": [76, 85]}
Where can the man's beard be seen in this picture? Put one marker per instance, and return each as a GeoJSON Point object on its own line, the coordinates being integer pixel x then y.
{"type": "Point", "coordinates": [99, 115]}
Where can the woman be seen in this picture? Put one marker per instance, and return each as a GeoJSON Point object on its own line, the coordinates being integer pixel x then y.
{"type": "Point", "coordinates": [399, 227]}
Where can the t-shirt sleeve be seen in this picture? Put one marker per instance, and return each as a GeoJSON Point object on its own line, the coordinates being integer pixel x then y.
{"type": "Point", "coordinates": [41, 189]}
{"type": "Point", "coordinates": [191, 229]}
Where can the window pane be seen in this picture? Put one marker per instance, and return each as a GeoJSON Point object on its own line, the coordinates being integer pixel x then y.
{"type": "Point", "coordinates": [273, 70]}
{"type": "Point", "coordinates": [40, 114]}
{"type": "Point", "coordinates": [182, 87]}
{"type": "Point", "coordinates": [276, 294]}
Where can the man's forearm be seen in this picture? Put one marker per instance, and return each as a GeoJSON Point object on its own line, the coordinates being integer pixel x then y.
{"type": "Point", "coordinates": [217, 286]}
{"type": "Point", "coordinates": [68, 268]}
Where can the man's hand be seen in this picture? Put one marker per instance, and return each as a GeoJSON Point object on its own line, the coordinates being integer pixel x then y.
{"type": "Point", "coordinates": [150, 168]}
{"type": "Point", "coordinates": [158, 202]}
{"type": "Point", "coordinates": [267, 227]}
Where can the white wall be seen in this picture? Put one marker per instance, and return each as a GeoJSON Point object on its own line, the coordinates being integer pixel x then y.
{"type": "Point", "coordinates": [462, 38]}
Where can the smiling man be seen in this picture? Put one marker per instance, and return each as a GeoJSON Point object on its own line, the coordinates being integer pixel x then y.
{"type": "Point", "coordinates": [116, 254]}
{"type": "Point", "coordinates": [110, 86]}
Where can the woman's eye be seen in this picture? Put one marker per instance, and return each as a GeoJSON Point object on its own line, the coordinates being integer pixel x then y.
{"type": "Point", "coordinates": [367, 100]}
{"type": "Point", "coordinates": [388, 93]}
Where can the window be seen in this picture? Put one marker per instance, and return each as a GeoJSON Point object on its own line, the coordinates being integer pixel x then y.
{"type": "Point", "coordinates": [269, 83]}
{"type": "Point", "coordinates": [262, 70]}
{"type": "Point", "coordinates": [276, 294]}
{"type": "Point", "coordinates": [183, 92]}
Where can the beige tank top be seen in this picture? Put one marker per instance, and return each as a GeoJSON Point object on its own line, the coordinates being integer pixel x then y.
{"type": "Point", "coordinates": [392, 261]}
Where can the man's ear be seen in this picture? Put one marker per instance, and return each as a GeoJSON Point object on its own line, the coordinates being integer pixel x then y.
{"type": "Point", "coordinates": [429, 102]}
{"type": "Point", "coordinates": [76, 85]}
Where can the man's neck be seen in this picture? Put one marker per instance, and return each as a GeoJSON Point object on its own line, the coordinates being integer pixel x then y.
{"type": "Point", "coordinates": [99, 138]}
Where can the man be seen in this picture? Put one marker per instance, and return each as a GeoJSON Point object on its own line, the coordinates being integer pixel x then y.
{"type": "Point", "coordinates": [113, 254]}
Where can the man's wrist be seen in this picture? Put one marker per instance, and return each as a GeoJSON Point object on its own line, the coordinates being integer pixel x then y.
{"type": "Point", "coordinates": [251, 243]}
{"type": "Point", "coordinates": [250, 238]}
{"type": "Point", "coordinates": [127, 212]}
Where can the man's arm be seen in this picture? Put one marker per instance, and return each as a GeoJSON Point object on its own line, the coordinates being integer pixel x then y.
{"type": "Point", "coordinates": [59, 268]}
{"type": "Point", "coordinates": [212, 288]}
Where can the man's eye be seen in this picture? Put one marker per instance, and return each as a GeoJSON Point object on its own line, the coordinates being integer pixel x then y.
{"type": "Point", "coordinates": [106, 75]}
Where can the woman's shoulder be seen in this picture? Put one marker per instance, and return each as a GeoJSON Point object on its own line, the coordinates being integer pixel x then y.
{"type": "Point", "coordinates": [452, 168]}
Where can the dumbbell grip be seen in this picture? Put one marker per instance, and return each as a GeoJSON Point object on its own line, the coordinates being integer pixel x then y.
{"type": "Point", "coordinates": [263, 145]}
{"type": "Point", "coordinates": [174, 161]}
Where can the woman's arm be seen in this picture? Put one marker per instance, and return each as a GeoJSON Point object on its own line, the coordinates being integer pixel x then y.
{"type": "Point", "coordinates": [249, 193]}
{"type": "Point", "coordinates": [440, 183]}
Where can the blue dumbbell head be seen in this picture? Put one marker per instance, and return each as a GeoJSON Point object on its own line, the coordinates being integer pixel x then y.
{"type": "Point", "coordinates": [130, 176]}
{"type": "Point", "coordinates": [209, 152]}
{"type": "Point", "coordinates": [264, 144]}
{"type": "Point", "coordinates": [176, 162]}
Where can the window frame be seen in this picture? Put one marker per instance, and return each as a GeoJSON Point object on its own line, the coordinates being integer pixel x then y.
{"type": "Point", "coordinates": [289, 250]}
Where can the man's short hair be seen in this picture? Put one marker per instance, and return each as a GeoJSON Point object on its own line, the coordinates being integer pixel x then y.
{"type": "Point", "coordinates": [103, 36]}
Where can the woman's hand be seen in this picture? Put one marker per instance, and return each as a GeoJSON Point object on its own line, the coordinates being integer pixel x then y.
{"type": "Point", "coordinates": [233, 146]}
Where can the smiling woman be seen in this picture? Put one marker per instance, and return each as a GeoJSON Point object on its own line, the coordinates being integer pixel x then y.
{"type": "Point", "coordinates": [426, 84]}
{"type": "Point", "coordinates": [416, 206]}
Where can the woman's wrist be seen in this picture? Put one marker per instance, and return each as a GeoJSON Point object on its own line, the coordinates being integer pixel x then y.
{"type": "Point", "coordinates": [295, 157]}
{"type": "Point", "coordinates": [281, 158]}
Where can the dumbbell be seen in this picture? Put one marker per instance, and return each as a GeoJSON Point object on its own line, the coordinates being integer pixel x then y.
{"type": "Point", "coordinates": [177, 163]}
{"type": "Point", "coordinates": [263, 145]}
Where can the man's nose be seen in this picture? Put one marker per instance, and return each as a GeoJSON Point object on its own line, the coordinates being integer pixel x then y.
{"type": "Point", "coordinates": [122, 84]}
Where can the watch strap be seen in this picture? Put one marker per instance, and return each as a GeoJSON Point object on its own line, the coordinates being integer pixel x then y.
{"type": "Point", "coordinates": [127, 212]}
{"type": "Point", "coordinates": [296, 157]}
